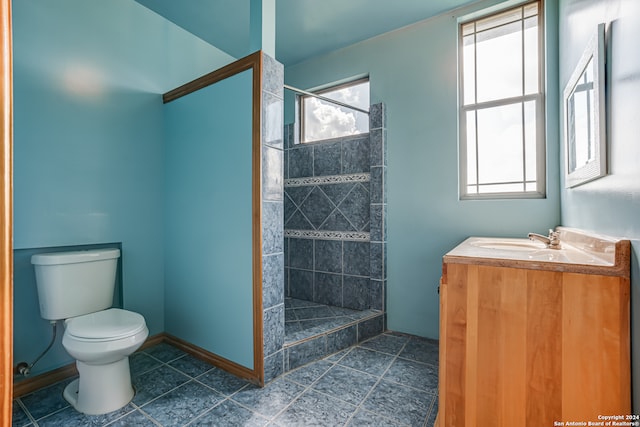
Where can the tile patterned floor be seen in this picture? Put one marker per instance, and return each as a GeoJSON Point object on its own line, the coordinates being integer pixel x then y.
{"type": "Point", "coordinates": [389, 380]}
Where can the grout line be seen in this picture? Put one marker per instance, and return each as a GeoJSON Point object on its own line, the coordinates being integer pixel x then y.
{"type": "Point", "coordinates": [136, 408]}
{"type": "Point", "coordinates": [242, 405]}
{"type": "Point", "coordinates": [225, 396]}
{"type": "Point", "coordinates": [206, 412]}
{"type": "Point", "coordinates": [149, 417]}
{"type": "Point", "coordinates": [378, 382]}
{"type": "Point", "coordinates": [162, 361]}
{"type": "Point", "coordinates": [309, 387]}
{"type": "Point", "coordinates": [286, 407]}
{"type": "Point", "coordinates": [26, 411]}
{"type": "Point", "coordinates": [190, 378]}
{"type": "Point", "coordinates": [429, 411]}
{"type": "Point", "coordinates": [35, 422]}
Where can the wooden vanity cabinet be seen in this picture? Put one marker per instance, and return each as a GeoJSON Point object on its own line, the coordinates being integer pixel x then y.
{"type": "Point", "coordinates": [529, 347]}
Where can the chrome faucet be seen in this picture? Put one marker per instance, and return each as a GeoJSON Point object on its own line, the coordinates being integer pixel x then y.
{"type": "Point", "coordinates": [552, 241]}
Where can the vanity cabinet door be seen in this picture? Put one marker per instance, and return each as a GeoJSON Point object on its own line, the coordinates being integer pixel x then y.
{"type": "Point", "coordinates": [531, 347]}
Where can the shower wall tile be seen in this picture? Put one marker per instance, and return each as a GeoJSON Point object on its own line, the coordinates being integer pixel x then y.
{"type": "Point", "coordinates": [288, 135]}
{"type": "Point", "coordinates": [377, 232]}
{"type": "Point", "coordinates": [298, 222]}
{"type": "Point", "coordinates": [286, 251]}
{"type": "Point", "coordinates": [337, 192]}
{"type": "Point", "coordinates": [273, 329]}
{"type": "Point", "coordinates": [272, 227]}
{"type": "Point", "coordinates": [272, 280]}
{"type": "Point", "coordinates": [272, 174]}
{"type": "Point", "coordinates": [355, 155]}
{"type": "Point", "coordinates": [356, 292]}
{"type": "Point", "coordinates": [328, 256]}
{"type": "Point", "coordinates": [327, 159]}
{"type": "Point", "coordinates": [301, 284]}
{"type": "Point", "coordinates": [317, 207]}
{"type": "Point", "coordinates": [378, 294]}
{"type": "Point", "coordinates": [272, 205]}
{"type": "Point", "coordinates": [273, 366]}
{"type": "Point", "coordinates": [378, 148]}
{"type": "Point", "coordinates": [328, 288]}
{"type": "Point", "coordinates": [301, 161]}
{"type": "Point", "coordinates": [273, 77]}
{"type": "Point", "coordinates": [286, 164]}
{"type": "Point", "coordinates": [301, 253]}
{"type": "Point", "coordinates": [336, 221]}
{"type": "Point", "coordinates": [298, 194]}
{"type": "Point", "coordinates": [378, 212]}
{"type": "Point", "coordinates": [356, 258]}
{"type": "Point", "coordinates": [289, 208]}
{"type": "Point", "coordinates": [378, 257]}
{"type": "Point", "coordinates": [371, 327]}
{"type": "Point", "coordinates": [378, 178]}
{"type": "Point", "coordinates": [377, 116]}
{"type": "Point", "coordinates": [355, 207]}
{"type": "Point", "coordinates": [272, 115]}
{"type": "Point", "coordinates": [305, 352]}
{"type": "Point", "coordinates": [342, 339]}
{"type": "Point", "coordinates": [287, 291]}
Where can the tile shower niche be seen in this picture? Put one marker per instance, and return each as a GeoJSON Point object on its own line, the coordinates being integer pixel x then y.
{"type": "Point", "coordinates": [335, 241]}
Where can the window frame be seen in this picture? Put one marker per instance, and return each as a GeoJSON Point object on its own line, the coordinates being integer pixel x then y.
{"type": "Point", "coordinates": [301, 113]}
{"type": "Point", "coordinates": [539, 98]}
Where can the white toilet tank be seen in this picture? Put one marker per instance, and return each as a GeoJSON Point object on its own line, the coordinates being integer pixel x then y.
{"type": "Point", "coordinates": [75, 283]}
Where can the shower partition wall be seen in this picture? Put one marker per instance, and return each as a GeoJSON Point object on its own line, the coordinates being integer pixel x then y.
{"type": "Point", "coordinates": [335, 232]}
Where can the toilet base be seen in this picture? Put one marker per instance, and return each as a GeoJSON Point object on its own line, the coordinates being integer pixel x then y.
{"type": "Point", "coordinates": [100, 388]}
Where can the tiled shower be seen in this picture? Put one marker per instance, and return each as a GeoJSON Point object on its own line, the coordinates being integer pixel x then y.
{"type": "Point", "coordinates": [335, 241]}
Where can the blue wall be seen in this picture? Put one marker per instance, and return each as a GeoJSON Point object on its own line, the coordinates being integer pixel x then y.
{"type": "Point", "coordinates": [610, 205]}
{"type": "Point", "coordinates": [413, 71]}
{"type": "Point", "coordinates": [88, 145]}
{"type": "Point", "coordinates": [208, 250]}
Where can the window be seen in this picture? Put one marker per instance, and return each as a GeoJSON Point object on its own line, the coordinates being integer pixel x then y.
{"type": "Point", "coordinates": [501, 102]}
{"type": "Point", "coordinates": [325, 120]}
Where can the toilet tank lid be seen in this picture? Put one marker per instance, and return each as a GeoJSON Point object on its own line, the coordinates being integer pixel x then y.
{"type": "Point", "coordinates": [71, 257]}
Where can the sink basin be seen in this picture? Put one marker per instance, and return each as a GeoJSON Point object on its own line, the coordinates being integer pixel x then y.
{"type": "Point", "coordinates": [526, 250]}
{"type": "Point", "coordinates": [508, 244]}
{"type": "Point", "coordinates": [566, 255]}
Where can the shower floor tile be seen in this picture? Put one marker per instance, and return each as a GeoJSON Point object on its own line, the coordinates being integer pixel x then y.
{"type": "Point", "coordinates": [337, 391]}
{"type": "Point", "coordinates": [305, 319]}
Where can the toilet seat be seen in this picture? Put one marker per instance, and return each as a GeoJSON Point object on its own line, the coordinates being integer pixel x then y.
{"type": "Point", "coordinates": [106, 325]}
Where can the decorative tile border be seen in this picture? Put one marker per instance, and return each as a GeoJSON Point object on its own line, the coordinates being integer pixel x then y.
{"type": "Point", "coordinates": [329, 179]}
{"type": "Point", "coordinates": [356, 236]}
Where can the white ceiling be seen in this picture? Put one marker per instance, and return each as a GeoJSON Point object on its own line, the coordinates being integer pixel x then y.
{"type": "Point", "coordinates": [304, 28]}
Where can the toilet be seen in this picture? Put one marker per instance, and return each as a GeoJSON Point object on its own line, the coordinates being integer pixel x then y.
{"type": "Point", "coordinates": [78, 287]}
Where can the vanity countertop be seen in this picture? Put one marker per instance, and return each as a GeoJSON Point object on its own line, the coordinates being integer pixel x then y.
{"type": "Point", "coordinates": [581, 252]}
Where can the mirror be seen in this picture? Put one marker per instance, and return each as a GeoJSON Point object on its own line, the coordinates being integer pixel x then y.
{"type": "Point", "coordinates": [584, 116]}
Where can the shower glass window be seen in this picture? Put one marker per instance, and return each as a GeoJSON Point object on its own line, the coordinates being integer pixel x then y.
{"type": "Point", "coordinates": [325, 120]}
{"type": "Point", "coordinates": [501, 105]}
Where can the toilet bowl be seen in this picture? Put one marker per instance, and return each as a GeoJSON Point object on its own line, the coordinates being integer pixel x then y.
{"type": "Point", "coordinates": [101, 343]}
{"type": "Point", "coordinates": [78, 287]}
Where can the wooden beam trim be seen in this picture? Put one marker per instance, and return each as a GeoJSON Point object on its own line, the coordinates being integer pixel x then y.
{"type": "Point", "coordinates": [6, 216]}
{"type": "Point", "coordinates": [256, 135]}
{"type": "Point", "coordinates": [45, 379]}
{"type": "Point", "coordinates": [248, 62]}
{"type": "Point", "coordinates": [213, 359]}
